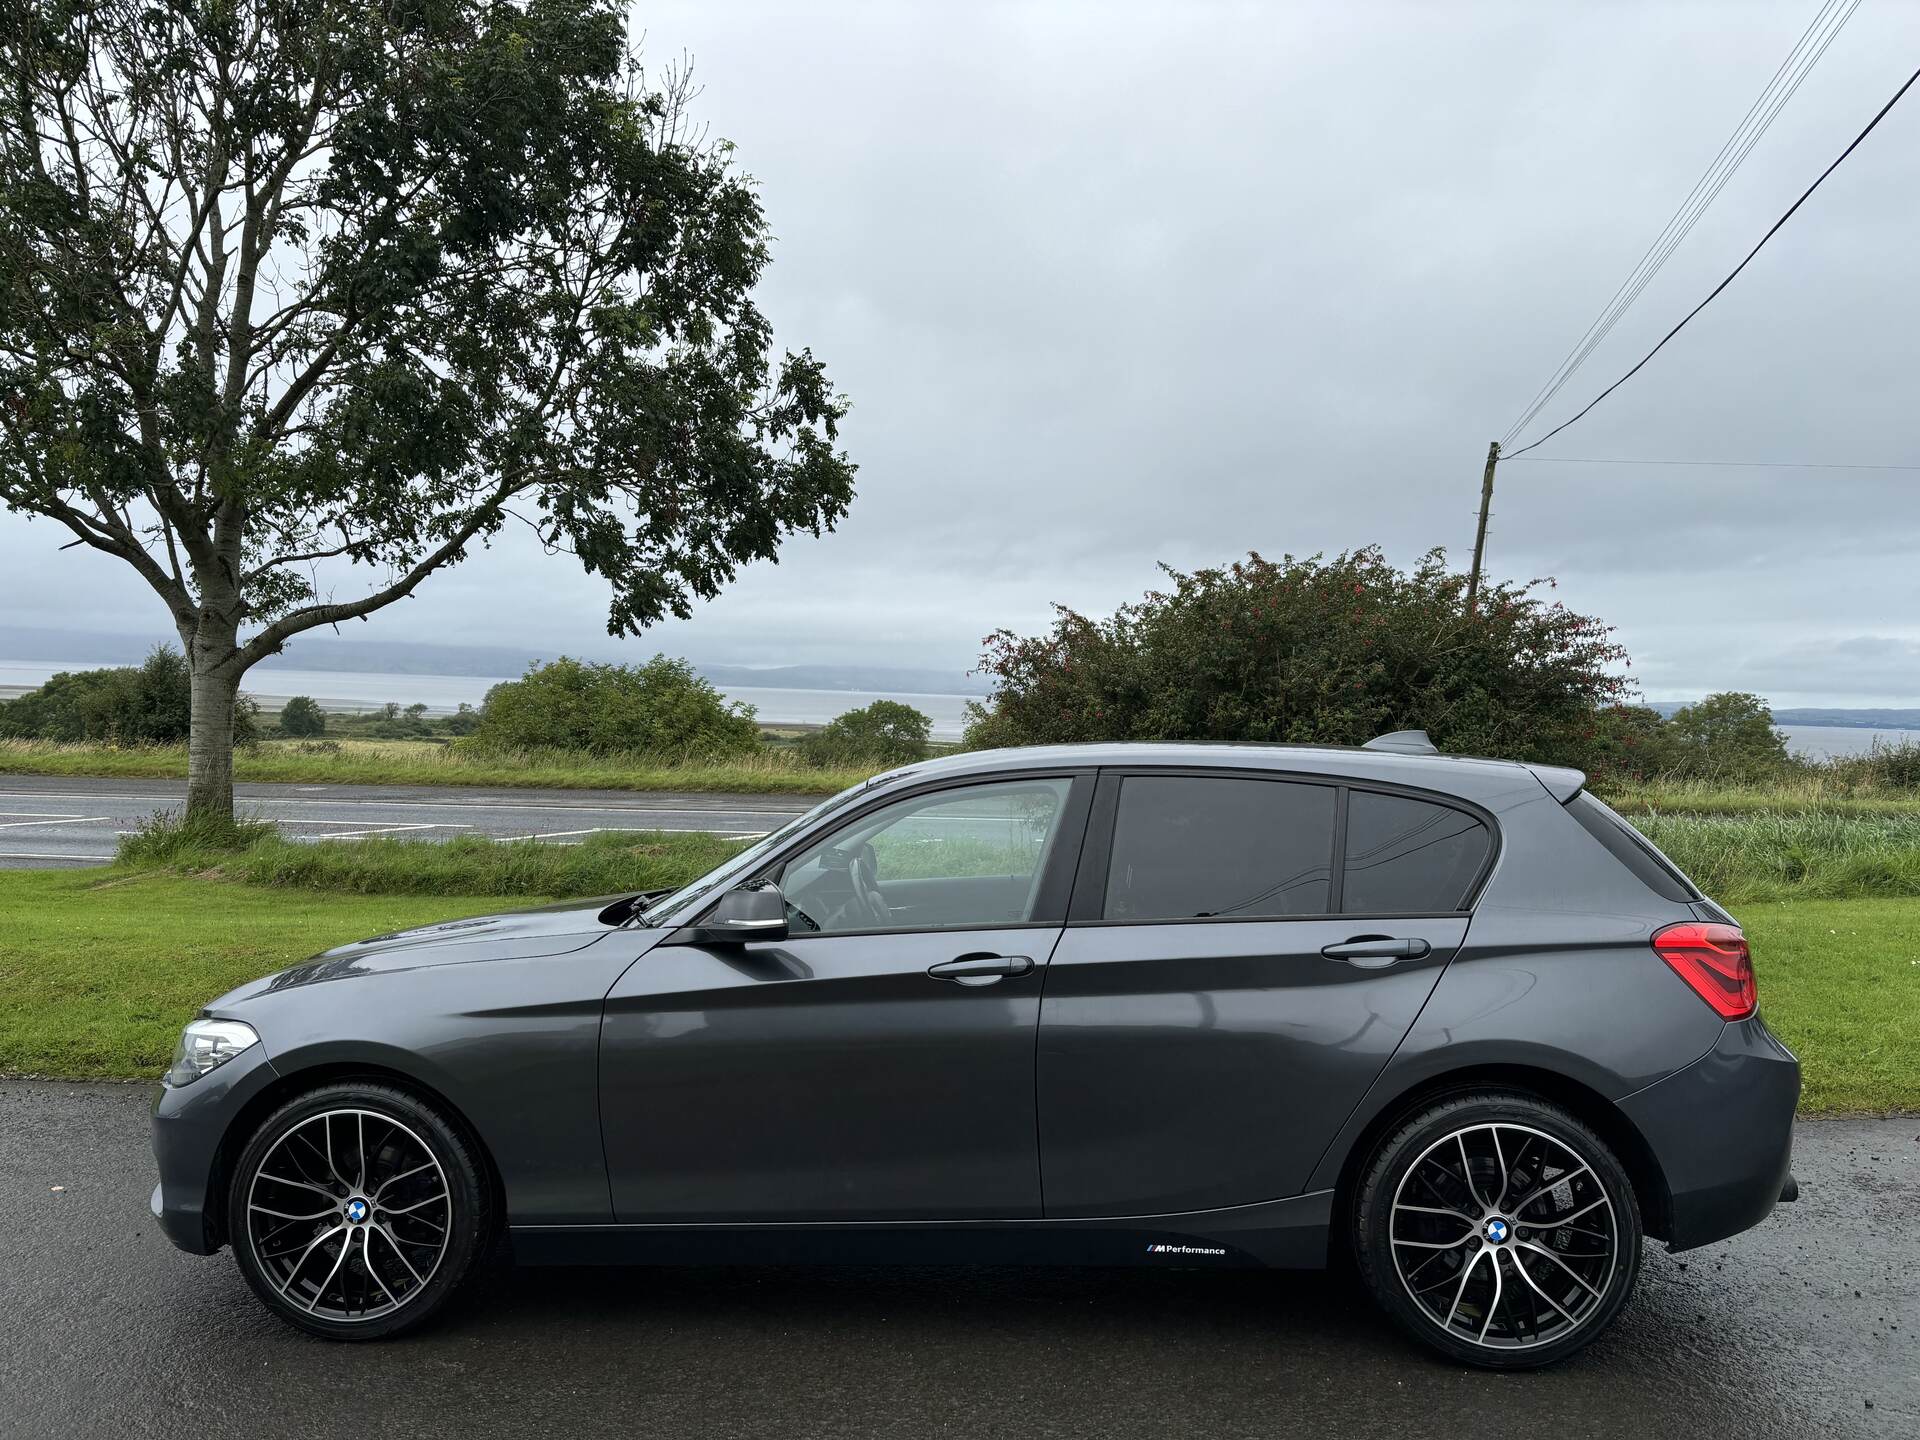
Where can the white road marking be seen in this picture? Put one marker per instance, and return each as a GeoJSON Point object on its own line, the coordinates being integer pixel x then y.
{"type": "Point", "coordinates": [63, 820]}
{"type": "Point", "coordinates": [385, 830]}
{"type": "Point", "coordinates": [48, 855]}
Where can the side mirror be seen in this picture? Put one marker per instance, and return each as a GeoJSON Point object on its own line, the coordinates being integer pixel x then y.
{"type": "Point", "coordinates": [738, 916]}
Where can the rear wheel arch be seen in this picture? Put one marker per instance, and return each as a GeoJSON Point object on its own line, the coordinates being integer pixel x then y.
{"type": "Point", "coordinates": [1585, 1104]}
{"type": "Point", "coordinates": [289, 1087]}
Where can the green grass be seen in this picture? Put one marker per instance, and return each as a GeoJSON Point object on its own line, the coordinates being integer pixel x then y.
{"type": "Point", "coordinates": [97, 975]}
{"type": "Point", "coordinates": [1818, 855]}
{"type": "Point", "coordinates": [1840, 983]}
{"type": "Point", "coordinates": [773, 770]}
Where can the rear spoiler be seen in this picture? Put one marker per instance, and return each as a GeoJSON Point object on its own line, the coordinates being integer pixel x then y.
{"type": "Point", "coordinates": [1563, 784]}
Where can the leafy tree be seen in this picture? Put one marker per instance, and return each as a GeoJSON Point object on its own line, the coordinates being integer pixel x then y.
{"type": "Point", "coordinates": [301, 300]}
{"type": "Point", "coordinates": [416, 711]}
{"type": "Point", "coordinates": [1329, 651]}
{"type": "Point", "coordinates": [883, 733]}
{"type": "Point", "coordinates": [1729, 736]}
{"type": "Point", "coordinates": [661, 707]}
{"type": "Point", "coordinates": [302, 716]}
{"type": "Point", "coordinates": [144, 705]}
{"type": "Point", "coordinates": [463, 721]}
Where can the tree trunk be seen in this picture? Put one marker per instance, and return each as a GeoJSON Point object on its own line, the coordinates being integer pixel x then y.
{"type": "Point", "coordinates": [210, 740]}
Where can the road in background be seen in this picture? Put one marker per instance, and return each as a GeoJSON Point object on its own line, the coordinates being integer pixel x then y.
{"type": "Point", "coordinates": [48, 821]}
{"type": "Point", "coordinates": [1805, 1326]}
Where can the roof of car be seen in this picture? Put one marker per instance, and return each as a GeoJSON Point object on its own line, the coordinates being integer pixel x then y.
{"type": "Point", "coordinates": [1467, 776]}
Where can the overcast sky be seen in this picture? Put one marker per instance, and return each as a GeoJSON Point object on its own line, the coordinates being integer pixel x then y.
{"type": "Point", "coordinates": [1109, 285]}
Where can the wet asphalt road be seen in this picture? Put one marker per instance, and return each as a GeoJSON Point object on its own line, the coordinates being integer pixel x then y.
{"type": "Point", "coordinates": [1808, 1326]}
{"type": "Point", "coordinates": [58, 820]}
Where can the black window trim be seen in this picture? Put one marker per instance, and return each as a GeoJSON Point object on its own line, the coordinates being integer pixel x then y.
{"type": "Point", "coordinates": [1096, 850]}
{"type": "Point", "coordinates": [1049, 904]}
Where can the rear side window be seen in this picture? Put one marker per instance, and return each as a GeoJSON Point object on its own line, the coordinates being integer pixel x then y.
{"type": "Point", "coordinates": [1188, 847]}
{"type": "Point", "coordinates": [1632, 849]}
{"type": "Point", "coordinates": [1409, 856]}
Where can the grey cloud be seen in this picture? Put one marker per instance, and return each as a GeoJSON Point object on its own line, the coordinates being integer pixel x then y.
{"type": "Point", "coordinates": [1111, 284]}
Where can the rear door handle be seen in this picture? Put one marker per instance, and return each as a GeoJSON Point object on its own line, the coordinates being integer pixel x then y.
{"type": "Point", "coordinates": [1376, 952]}
{"type": "Point", "coordinates": [981, 969]}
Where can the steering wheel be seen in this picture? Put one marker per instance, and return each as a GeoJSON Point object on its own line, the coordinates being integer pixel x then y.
{"type": "Point", "coordinates": [865, 874]}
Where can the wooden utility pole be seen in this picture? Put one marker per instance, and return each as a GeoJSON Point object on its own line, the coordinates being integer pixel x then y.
{"type": "Point", "coordinates": [1480, 532]}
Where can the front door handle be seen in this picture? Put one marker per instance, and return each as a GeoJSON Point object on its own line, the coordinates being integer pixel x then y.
{"type": "Point", "coordinates": [1376, 952]}
{"type": "Point", "coordinates": [981, 969]}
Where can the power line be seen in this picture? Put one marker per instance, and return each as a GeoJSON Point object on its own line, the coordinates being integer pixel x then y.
{"type": "Point", "coordinates": [1773, 97]}
{"type": "Point", "coordinates": [1774, 230]}
{"type": "Point", "coordinates": [1727, 464]}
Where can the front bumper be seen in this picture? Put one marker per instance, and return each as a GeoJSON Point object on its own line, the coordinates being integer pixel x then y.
{"type": "Point", "coordinates": [1721, 1131]}
{"type": "Point", "coordinates": [189, 1124]}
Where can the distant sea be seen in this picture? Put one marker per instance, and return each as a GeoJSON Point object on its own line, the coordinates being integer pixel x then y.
{"type": "Point", "coordinates": [348, 690]}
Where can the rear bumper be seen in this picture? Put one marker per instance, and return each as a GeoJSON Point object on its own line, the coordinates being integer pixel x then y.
{"type": "Point", "coordinates": [189, 1124]}
{"type": "Point", "coordinates": [1722, 1133]}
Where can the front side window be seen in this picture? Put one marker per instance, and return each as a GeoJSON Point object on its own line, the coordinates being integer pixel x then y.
{"type": "Point", "coordinates": [1408, 856]}
{"type": "Point", "coordinates": [952, 860]}
{"type": "Point", "coordinates": [1189, 847]}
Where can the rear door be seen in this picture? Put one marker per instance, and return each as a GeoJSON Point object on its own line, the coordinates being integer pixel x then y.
{"type": "Point", "coordinates": [1243, 954]}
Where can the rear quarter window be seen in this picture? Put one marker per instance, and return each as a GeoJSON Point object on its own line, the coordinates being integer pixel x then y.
{"type": "Point", "coordinates": [1632, 849]}
{"type": "Point", "coordinates": [1407, 856]}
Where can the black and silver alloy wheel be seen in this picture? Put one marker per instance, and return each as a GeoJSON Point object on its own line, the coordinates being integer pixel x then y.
{"type": "Point", "coordinates": [1500, 1230]}
{"type": "Point", "coordinates": [355, 1209]}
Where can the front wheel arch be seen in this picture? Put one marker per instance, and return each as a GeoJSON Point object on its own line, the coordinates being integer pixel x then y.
{"type": "Point", "coordinates": [288, 1087]}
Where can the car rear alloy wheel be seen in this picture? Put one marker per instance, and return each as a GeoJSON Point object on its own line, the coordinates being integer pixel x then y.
{"type": "Point", "coordinates": [354, 1210]}
{"type": "Point", "coordinates": [1500, 1230]}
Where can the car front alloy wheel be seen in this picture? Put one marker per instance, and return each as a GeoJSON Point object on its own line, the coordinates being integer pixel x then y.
{"type": "Point", "coordinates": [355, 1210]}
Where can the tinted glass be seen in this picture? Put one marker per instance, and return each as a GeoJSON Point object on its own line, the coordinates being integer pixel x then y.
{"type": "Point", "coordinates": [951, 860]}
{"type": "Point", "coordinates": [1186, 847]}
{"type": "Point", "coordinates": [1631, 849]}
{"type": "Point", "coordinates": [1409, 856]}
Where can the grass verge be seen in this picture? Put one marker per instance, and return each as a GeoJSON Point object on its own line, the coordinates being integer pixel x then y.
{"type": "Point", "coordinates": [1840, 983]}
{"type": "Point", "coordinates": [99, 970]}
{"type": "Point", "coordinates": [97, 975]}
{"type": "Point", "coordinates": [607, 863]}
{"type": "Point", "coordinates": [773, 771]}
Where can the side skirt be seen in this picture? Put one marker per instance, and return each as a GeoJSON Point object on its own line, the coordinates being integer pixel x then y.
{"type": "Point", "coordinates": [1288, 1234]}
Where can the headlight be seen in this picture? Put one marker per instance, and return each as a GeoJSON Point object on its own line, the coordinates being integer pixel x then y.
{"type": "Point", "coordinates": [206, 1045]}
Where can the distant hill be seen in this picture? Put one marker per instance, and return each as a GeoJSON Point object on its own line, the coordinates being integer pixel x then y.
{"type": "Point", "coordinates": [1846, 719]}
{"type": "Point", "coordinates": [387, 657]}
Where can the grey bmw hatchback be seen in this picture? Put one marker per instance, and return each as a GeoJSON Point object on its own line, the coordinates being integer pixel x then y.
{"type": "Point", "coordinates": [1164, 1005]}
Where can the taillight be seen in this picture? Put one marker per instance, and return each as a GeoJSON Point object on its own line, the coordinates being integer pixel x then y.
{"type": "Point", "coordinates": [1713, 959]}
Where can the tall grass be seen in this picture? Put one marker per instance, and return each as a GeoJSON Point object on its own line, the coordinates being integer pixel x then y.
{"type": "Point", "coordinates": [1815, 855]}
{"type": "Point", "coordinates": [608, 863]}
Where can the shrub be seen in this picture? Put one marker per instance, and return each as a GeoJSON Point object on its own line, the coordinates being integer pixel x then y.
{"type": "Point", "coordinates": [883, 733]}
{"type": "Point", "coordinates": [149, 704]}
{"type": "Point", "coordinates": [1311, 651]}
{"type": "Point", "coordinates": [1728, 736]}
{"type": "Point", "coordinates": [661, 707]}
{"type": "Point", "coordinates": [302, 716]}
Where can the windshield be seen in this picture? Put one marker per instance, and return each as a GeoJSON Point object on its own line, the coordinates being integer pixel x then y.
{"type": "Point", "coordinates": [724, 874]}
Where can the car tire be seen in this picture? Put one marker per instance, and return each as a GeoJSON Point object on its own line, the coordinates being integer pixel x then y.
{"type": "Point", "coordinates": [1548, 1230]}
{"type": "Point", "coordinates": [356, 1209]}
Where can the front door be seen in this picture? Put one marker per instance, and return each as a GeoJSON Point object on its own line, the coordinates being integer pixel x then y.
{"type": "Point", "coordinates": [878, 1063]}
{"type": "Point", "coordinates": [1244, 956]}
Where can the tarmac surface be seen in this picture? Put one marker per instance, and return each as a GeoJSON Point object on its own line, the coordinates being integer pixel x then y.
{"type": "Point", "coordinates": [57, 821]}
{"type": "Point", "coordinates": [1806, 1326]}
